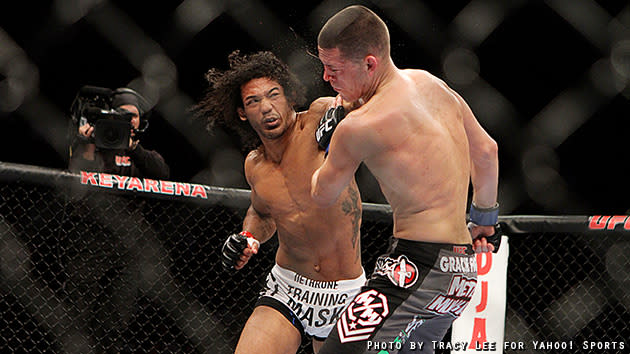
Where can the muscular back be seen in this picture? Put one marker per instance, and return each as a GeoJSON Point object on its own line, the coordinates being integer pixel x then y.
{"type": "Point", "coordinates": [413, 140]}
{"type": "Point", "coordinates": [320, 243]}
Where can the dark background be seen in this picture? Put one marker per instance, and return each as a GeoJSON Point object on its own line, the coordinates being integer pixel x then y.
{"type": "Point", "coordinates": [548, 80]}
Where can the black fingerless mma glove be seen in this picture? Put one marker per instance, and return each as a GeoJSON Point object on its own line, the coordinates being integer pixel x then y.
{"type": "Point", "coordinates": [495, 239]}
{"type": "Point", "coordinates": [232, 250]}
{"type": "Point", "coordinates": [327, 126]}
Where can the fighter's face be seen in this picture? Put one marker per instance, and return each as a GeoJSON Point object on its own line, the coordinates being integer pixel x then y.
{"type": "Point", "coordinates": [266, 107]}
{"type": "Point", "coordinates": [346, 77]}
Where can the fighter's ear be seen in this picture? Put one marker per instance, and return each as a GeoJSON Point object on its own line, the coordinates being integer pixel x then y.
{"type": "Point", "coordinates": [371, 62]}
{"type": "Point", "coordinates": [241, 113]}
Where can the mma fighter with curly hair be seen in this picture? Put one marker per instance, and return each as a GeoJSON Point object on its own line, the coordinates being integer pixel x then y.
{"type": "Point", "coordinates": [318, 262]}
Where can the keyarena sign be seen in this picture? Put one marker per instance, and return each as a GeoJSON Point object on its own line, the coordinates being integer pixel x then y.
{"type": "Point", "coordinates": [110, 181]}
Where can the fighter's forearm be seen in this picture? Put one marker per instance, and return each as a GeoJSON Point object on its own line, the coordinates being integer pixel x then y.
{"type": "Point", "coordinates": [262, 227]}
{"type": "Point", "coordinates": [485, 175]}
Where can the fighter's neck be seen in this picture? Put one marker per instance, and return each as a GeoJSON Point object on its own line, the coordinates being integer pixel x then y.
{"type": "Point", "coordinates": [275, 148]}
{"type": "Point", "coordinates": [381, 78]}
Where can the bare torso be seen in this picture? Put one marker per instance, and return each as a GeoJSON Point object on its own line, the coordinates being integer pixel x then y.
{"type": "Point", "coordinates": [319, 243]}
{"type": "Point", "coordinates": [416, 146]}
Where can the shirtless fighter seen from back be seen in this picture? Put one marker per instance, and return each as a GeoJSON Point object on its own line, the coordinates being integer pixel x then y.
{"type": "Point", "coordinates": [318, 262]}
{"type": "Point", "coordinates": [424, 146]}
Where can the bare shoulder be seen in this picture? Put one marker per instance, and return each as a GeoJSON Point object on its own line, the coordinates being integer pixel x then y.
{"type": "Point", "coordinates": [253, 160]}
{"type": "Point", "coordinates": [426, 79]}
{"type": "Point", "coordinates": [360, 128]}
{"type": "Point", "coordinates": [315, 111]}
{"type": "Point", "coordinates": [436, 87]}
{"type": "Point", "coordinates": [319, 106]}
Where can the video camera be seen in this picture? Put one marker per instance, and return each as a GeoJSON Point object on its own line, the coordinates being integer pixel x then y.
{"type": "Point", "coordinates": [112, 126]}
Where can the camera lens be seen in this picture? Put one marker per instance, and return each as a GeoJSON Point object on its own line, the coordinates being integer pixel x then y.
{"type": "Point", "coordinates": [111, 134]}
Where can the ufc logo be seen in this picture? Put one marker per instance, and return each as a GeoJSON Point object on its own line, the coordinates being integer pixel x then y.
{"type": "Point", "coordinates": [327, 126]}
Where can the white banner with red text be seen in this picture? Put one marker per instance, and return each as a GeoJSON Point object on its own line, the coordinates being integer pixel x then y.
{"type": "Point", "coordinates": [481, 326]}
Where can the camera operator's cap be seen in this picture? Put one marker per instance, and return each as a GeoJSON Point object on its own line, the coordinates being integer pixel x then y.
{"type": "Point", "coordinates": [126, 95]}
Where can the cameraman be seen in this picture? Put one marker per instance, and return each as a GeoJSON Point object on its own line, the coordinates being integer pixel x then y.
{"type": "Point", "coordinates": [135, 161]}
{"type": "Point", "coordinates": [106, 234]}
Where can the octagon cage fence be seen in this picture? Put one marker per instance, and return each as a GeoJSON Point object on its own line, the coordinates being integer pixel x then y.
{"type": "Point", "coordinates": [88, 265]}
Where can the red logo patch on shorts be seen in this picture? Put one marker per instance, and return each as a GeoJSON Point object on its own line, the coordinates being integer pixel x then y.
{"type": "Point", "coordinates": [401, 271]}
{"type": "Point", "coordinates": [404, 273]}
{"type": "Point", "coordinates": [362, 316]}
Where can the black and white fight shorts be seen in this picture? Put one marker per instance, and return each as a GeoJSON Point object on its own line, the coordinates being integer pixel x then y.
{"type": "Point", "coordinates": [312, 306]}
{"type": "Point", "coordinates": [416, 291]}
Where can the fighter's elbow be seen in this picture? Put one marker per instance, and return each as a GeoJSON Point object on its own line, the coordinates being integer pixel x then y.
{"type": "Point", "coordinates": [487, 153]}
{"type": "Point", "coordinates": [321, 200]}
{"type": "Point", "coordinates": [319, 196]}
{"type": "Point", "coordinates": [492, 149]}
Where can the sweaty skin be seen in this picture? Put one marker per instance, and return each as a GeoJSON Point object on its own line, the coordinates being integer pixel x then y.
{"type": "Point", "coordinates": [417, 137]}
{"type": "Point", "coordinates": [319, 243]}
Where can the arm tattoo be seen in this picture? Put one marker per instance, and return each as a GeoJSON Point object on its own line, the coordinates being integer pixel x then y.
{"type": "Point", "coordinates": [350, 207]}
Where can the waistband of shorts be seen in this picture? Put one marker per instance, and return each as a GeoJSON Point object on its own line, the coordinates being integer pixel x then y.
{"type": "Point", "coordinates": [341, 285]}
{"type": "Point", "coordinates": [427, 249]}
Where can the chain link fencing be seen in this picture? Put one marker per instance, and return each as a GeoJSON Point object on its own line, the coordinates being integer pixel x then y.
{"type": "Point", "coordinates": [91, 269]}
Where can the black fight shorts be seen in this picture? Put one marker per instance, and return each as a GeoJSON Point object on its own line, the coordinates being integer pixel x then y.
{"type": "Point", "coordinates": [415, 293]}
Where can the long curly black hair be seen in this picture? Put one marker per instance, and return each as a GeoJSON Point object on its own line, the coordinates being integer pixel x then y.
{"type": "Point", "coordinates": [222, 98]}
